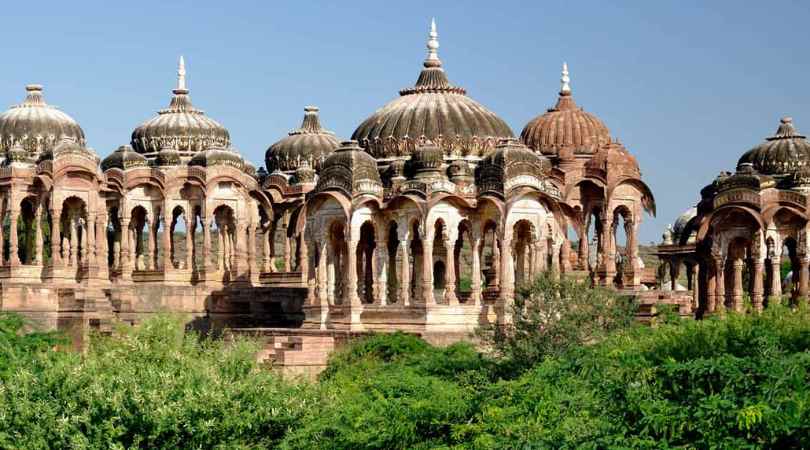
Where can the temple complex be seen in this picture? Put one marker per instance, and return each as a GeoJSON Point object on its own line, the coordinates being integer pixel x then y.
{"type": "Point", "coordinates": [426, 220]}
{"type": "Point", "coordinates": [747, 238]}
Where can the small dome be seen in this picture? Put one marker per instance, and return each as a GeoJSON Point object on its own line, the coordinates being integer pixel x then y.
{"type": "Point", "coordinates": [123, 158]}
{"type": "Point", "coordinates": [432, 110]}
{"type": "Point", "coordinates": [36, 126]}
{"type": "Point", "coordinates": [218, 156]}
{"type": "Point", "coordinates": [614, 158]}
{"type": "Point", "coordinates": [309, 143]}
{"type": "Point", "coordinates": [168, 156]}
{"type": "Point", "coordinates": [350, 170]}
{"type": "Point", "coordinates": [565, 126]}
{"type": "Point", "coordinates": [512, 164]}
{"type": "Point", "coordinates": [460, 171]}
{"type": "Point", "coordinates": [426, 161]}
{"type": "Point", "coordinates": [783, 153]}
{"type": "Point", "coordinates": [181, 126]}
{"type": "Point", "coordinates": [681, 223]}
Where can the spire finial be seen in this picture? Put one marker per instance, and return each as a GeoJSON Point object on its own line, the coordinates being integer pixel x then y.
{"type": "Point", "coordinates": [565, 89]}
{"type": "Point", "coordinates": [181, 75]}
{"type": "Point", "coordinates": [433, 46]}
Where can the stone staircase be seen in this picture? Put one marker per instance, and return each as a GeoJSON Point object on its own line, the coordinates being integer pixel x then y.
{"type": "Point", "coordinates": [297, 355]}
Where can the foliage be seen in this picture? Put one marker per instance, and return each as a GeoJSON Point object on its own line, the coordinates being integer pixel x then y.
{"type": "Point", "coordinates": [152, 386]}
{"type": "Point", "coordinates": [552, 315]}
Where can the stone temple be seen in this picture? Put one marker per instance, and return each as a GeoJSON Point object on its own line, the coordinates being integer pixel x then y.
{"type": "Point", "coordinates": [426, 220]}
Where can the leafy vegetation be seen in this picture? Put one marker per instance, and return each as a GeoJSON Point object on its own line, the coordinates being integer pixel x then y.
{"type": "Point", "coordinates": [585, 377]}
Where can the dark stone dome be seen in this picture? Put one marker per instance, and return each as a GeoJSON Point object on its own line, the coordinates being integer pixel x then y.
{"type": "Point", "coordinates": [427, 160]}
{"type": "Point", "coordinates": [783, 153]}
{"type": "Point", "coordinates": [36, 126]}
{"type": "Point", "coordinates": [310, 143]}
{"type": "Point", "coordinates": [123, 158]}
{"type": "Point", "coordinates": [180, 126]}
{"type": "Point", "coordinates": [565, 126]}
{"type": "Point", "coordinates": [512, 164]}
{"type": "Point", "coordinates": [219, 156]}
{"type": "Point", "coordinates": [350, 170]}
{"type": "Point", "coordinates": [432, 110]}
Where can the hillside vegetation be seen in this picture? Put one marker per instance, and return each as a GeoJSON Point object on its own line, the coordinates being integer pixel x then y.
{"type": "Point", "coordinates": [585, 377]}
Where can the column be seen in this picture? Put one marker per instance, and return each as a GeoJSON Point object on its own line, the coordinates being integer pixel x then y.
{"type": "Point", "coordinates": [88, 240]}
{"type": "Point", "coordinates": [507, 290]}
{"type": "Point", "coordinates": [323, 273]}
{"type": "Point", "coordinates": [221, 249]}
{"type": "Point", "coordinates": [38, 239]}
{"type": "Point", "coordinates": [405, 271]}
{"type": "Point", "coordinates": [476, 271]}
{"type": "Point", "coordinates": [251, 251]}
{"type": "Point", "coordinates": [737, 288]}
{"type": "Point", "coordinates": [719, 286]}
{"type": "Point", "coordinates": [207, 264]}
{"type": "Point", "coordinates": [191, 227]}
{"type": "Point", "coordinates": [632, 248]}
{"type": "Point", "coordinates": [381, 287]}
{"type": "Point", "coordinates": [555, 260]}
{"type": "Point", "coordinates": [56, 225]}
{"type": "Point", "coordinates": [757, 285]}
{"type": "Point", "coordinates": [74, 241]}
{"type": "Point", "coordinates": [450, 271]}
{"type": "Point", "coordinates": [565, 257]}
{"type": "Point", "coordinates": [711, 287]}
{"type": "Point", "coordinates": [695, 284]}
{"type": "Point", "coordinates": [776, 278]}
{"type": "Point", "coordinates": [151, 232]}
{"type": "Point", "coordinates": [609, 250]}
{"type": "Point", "coordinates": [583, 248]}
{"type": "Point", "coordinates": [167, 242]}
{"type": "Point", "coordinates": [287, 257]}
{"type": "Point", "coordinates": [674, 273]}
{"type": "Point", "coordinates": [303, 252]}
{"type": "Point", "coordinates": [101, 242]}
{"type": "Point", "coordinates": [267, 261]}
{"type": "Point", "coordinates": [496, 261]}
{"type": "Point", "coordinates": [125, 259]}
{"type": "Point", "coordinates": [14, 257]}
{"type": "Point", "coordinates": [351, 273]}
{"type": "Point", "coordinates": [803, 278]}
{"type": "Point", "coordinates": [427, 272]}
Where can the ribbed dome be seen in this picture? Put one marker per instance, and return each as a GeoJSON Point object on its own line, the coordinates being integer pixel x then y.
{"type": "Point", "coordinates": [350, 170]}
{"type": "Point", "coordinates": [432, 110]}
{"type": "Point", "coordinates": [180, 126]}
{"type": "Point", "coordinates": [36, 126]}
{"type": "Point", "coordinates": [783, 153]}
{"type": "Point", "coordinates": [310, 143]}
{"type": "Point", "coordinates": [681, 223]}
{"type": "Point", "coordinates": [123, 158]}
{"type": "Point", "coordinates": [511, 164]}
{"type": "Point", "coordinates": [565, 126]}
{"type": "Point", "coordinates": [216, 156]}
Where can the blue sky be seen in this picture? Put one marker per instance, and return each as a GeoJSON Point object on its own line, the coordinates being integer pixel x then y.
{"type": "Point", "coordinates": [687, 86]}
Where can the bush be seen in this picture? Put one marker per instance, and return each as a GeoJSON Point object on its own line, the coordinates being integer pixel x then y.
{"type": "Point", "coordinates": [552, 315]}
{"type": "Point", "coordinates": [151, 386]}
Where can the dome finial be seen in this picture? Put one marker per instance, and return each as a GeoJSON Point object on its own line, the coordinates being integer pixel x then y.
{"type": "Point", "coordinates": [181, 75]}
{"type": "Point", "coordinates": [565, 81]}
{"type": "Point", "coordinates": [433, 46]}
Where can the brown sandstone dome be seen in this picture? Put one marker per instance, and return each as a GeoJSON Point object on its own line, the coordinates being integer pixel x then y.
{"type": "Point", "coordinates": [36, 126]}
{"type": "Point", "coordinates": [310, 144]}
{"type": "Point", "coordinates": [783, 153]}
{"type": "Point", "coordinates": [433, 110]}
{"type": "Point", "coordinates": [565, 126]}
{"type": "Point", "coordinates": [181, 127]}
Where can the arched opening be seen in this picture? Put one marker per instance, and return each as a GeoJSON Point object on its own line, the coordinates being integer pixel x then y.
{"type": "Point", "coordinates": [365, 263]}
{"type": "Point", "coordinates": [736, 275]}
{"type": "Point", "coordinates": [440, 239]}
{"type": "Point", "coordinates": [595, 236]}
{"type": "Point", "coordinates": [140, 236]}
{"type": "Point", "coordinates": [622, 228]}
{"type": "Point", "coordinates": [490, 256]}
{"type": "Point", "coordinates": [74, 232]}
{"type": "Point", "coordinates": [114, 236]}
{"type": "Point", "coordinates": [26, 230]}
{"type": "Point", "coordinates": [178, 243]}
{"type": "Point", "coordinates": [439, 272]}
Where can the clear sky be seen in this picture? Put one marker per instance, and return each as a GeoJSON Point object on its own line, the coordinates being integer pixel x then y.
{"type": "Point", "coordinates": [687, 86]}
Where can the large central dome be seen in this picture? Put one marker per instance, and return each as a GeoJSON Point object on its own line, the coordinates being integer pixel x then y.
{"type": "Point", "coordinates": [432, 110]}
{"type": "Point", "coordinates": [180, 127]}
{"type": "Point", "coordinates": [783, 153]}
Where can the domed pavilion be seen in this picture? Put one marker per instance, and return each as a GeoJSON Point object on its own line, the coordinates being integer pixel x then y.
{"type": "Point", "coordinates": [746, 227]}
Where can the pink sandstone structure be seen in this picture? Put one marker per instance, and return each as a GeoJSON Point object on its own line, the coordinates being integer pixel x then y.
{"type": "Point", "coordinates": [425, 221]}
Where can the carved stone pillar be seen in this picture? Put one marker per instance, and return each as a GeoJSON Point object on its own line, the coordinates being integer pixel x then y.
{"type": "Point", "coordinates": [267, 260]}
{"type": "Point", "coordinates": [450, 272]}
{"type": "Point", "coordinates": [674, 273]}
{"type": "Point", "coordinates": [757, 285]}
{"type": "Point", "coordinates": [609, 250]}
{"type": "Point", "coordinates": [191, 250]}
{"type": "Point", "coordinates": [351, 273]}
{"type": "Point", "coordinates": [507, 290]}
{"type": "Point", "coordinates": [221, 242]}
{"type": "Point", "coordinates": [74, 241]}
{"type": "Point", "coordinates": [555, 260]}
{"type": "Point", "coordinates": [207, 263]}
{"type": "Point", "coordinates": [287, 254]}
{"type": "Point", "coordinates": [583, 248]}
{"type": "Point", "coordinates": [38, 239]}
{"type": "Point", "coordinates": [475, 295]}
{"type": "Point", "coordinates": [776, 278]}
{"type": "Point", "coordinates": [323, 275]}
{"type": "Point", "coordinates": [303, 252]}
{"type": "Point", "coordinates": [151, 231]}
{"type": "Point", "coordinates": [381, 269]}
{"type": "Point", "coordinates": [565, 257]}
{"type": "Point", "coordinates": [719, 285]}
{"type": "Point", "coordinates": [737, 287]}
{"type": "Point", "coordinates": [427, 272]}
{"type": "Point", "coordinates": [711, 287]}
{"type": "Point", "coordinates": [803, 278]}
{"type": "Point", "coordinates": [404, 271]}
{"type": "Point", "coordinates": [14, 256]}
{"type": "Point", "coordinates": [56, 226]}
{"type": "Point", "coordinates": [694, 269]}
{"type": "Point", "coordinates": [126, 250]}
{"type": "Point", "coordinates": [167, 239]}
